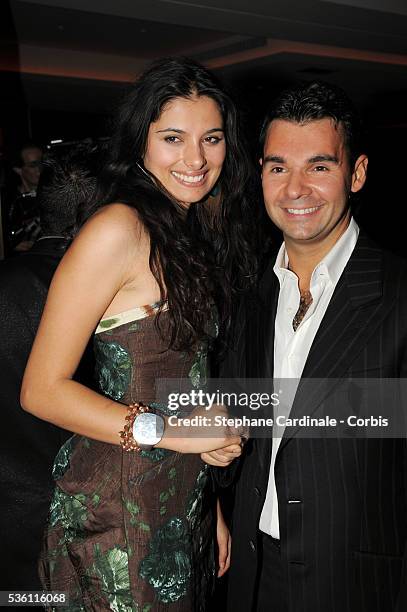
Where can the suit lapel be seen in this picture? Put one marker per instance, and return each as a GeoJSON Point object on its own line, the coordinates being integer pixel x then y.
{"type": "Point", "coordinates": [354, 313]}
{"type": "Point", "coordinates": [260, 347]}
{"type": "Point", "coordinates": [260, 328]}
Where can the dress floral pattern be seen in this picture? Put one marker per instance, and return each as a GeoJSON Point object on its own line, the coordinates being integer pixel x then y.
{"type": "Point", "coordinates": [132, 532]}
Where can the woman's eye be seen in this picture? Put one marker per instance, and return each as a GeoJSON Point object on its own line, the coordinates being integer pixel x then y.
{"type": "Point", "coordinates": [213, 139]}
{"type": "Point", "coordinates": [171, 139]}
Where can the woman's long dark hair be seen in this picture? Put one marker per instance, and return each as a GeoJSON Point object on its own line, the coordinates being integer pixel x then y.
{"type": "Point", "coordinates": [205, 256]}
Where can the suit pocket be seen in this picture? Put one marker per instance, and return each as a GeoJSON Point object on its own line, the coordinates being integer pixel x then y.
{"type": "Point", "coordinates": [377, 580]}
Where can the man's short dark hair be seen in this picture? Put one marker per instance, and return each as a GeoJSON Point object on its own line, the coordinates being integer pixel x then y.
{"type": "Point", "coordinates": [313, 101]}
{"type": "Point", "coordinates": [67, 183]}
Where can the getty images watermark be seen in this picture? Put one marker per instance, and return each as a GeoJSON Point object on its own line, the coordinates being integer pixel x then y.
{"type": "Point", "coordinates": [254, 401]}
{"type": "Point", "coordinates": [211, 400]}
{"type": "Point", "coordinates": [352, 407]}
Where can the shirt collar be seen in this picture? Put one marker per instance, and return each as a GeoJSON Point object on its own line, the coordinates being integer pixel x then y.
{"type": "Point", "coordinates": [281, 266]}
{"type": "Point", "coordinates": [337, 258]}
{"type": "Point", "coordinates": [333, 263]}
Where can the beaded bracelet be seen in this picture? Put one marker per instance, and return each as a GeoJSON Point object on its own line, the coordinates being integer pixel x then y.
{"type": "Point", "coordinates": [127, 441]}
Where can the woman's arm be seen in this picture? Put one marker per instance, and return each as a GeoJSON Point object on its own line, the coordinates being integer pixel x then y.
{"type": "Point", "coordinates": [105, 260]}
{"type": "Point", "coordinates": [86, 282]}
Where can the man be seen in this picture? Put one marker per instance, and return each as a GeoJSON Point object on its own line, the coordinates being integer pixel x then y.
{"type": "Point", "coordinates": [28, 167]}
{"type": "Point", "coordinates": [320, 525]}
{"type": "Point", "coordinates": [23, 216]}
{"type": "Point", "coordinates": [28, 445]}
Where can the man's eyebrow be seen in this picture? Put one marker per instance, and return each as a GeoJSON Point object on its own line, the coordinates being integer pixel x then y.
{"type": "Point", "coordinates": [178, 131]}
{"type": "Point", "coordinates": [274, 159]}
{"type": "Point", "coordinates": [323, 158]}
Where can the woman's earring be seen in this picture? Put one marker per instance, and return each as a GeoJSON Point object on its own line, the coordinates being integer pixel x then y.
{"type": "Point", "coordinates": [143, 170]}
{"type": "Point", "coordinates": [215, 191]}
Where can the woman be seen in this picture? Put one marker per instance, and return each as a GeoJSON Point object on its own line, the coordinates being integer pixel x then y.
{"type": "Point", "coordinates": [133, 530]}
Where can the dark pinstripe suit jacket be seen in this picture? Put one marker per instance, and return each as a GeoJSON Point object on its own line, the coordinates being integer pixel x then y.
{"type": "Point", "coordinates": [344, 546]}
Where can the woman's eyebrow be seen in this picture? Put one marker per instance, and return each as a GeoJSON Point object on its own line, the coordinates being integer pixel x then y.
{"type": "Point", "coordinates": [178, 131]}
{"type": "Point", "coordinates": [170, 129]}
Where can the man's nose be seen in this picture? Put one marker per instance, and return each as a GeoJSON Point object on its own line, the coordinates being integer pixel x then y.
{"type": "Point", "coordinates": [194, 156]}
{"type": "Point", "coordinates": [297, 186]}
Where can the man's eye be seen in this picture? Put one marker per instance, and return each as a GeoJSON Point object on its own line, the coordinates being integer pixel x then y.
{"type": "Point", "coordinates": [171, 139]}
{"type": "Point", "coordinates": [320, 168]}
{"type": "Point", "coordinates": [277, 170]}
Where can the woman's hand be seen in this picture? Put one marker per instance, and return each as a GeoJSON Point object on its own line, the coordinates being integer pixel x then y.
{"type": "Point", "coordinates": [222, 457]}
{"type": "Point", "coordinates": [210, 432]}
{"type": "Point", "coordinates": [224, 540]}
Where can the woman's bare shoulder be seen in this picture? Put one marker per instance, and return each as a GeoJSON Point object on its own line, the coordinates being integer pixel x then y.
{"type": "Point", "coordinates": [114, 227]}
{"type": "Point", "coordinates": [117, 219]}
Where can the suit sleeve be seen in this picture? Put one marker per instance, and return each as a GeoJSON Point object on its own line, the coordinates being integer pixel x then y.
{"type": "Point", "coordinates": [232, 368]}
{"type": "Point", "coordinates": [401, 605]}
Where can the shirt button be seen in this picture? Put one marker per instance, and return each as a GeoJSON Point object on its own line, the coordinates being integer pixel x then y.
{"type": "Point", "coordinates": [252, 545]}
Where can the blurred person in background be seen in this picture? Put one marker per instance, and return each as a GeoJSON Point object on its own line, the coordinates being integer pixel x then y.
{"type": "Point", "coordinates": [28, 167]}
{"type": "Point", "coordinates": [23, 215]}
{"type": "Point", "coordinates": [28, 445]}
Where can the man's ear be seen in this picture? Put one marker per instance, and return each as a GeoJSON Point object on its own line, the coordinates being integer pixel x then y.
{"type": "Point", "coordinates": [17, 170]}
{"type": "Point", "coordinates": [359, 173]}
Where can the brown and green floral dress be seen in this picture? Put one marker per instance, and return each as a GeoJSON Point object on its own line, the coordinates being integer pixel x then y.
{"type": "Point", "coordinates": [132, 532]}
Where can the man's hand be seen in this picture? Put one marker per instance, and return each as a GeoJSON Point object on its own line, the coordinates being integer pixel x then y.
{"type": "Point", "coordinates": [224, 541]}
{"type": "Point", "coordinates": [207, 436]}
{"type": "Point", "coordinates": [223, 456]}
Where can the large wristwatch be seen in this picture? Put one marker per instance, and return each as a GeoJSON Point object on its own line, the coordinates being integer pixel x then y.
{"type": "Point", "coordinates": [148, 429]}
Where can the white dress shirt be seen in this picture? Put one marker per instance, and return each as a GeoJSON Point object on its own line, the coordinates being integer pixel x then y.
{"type": "Point", "coordinates": [291, 347]}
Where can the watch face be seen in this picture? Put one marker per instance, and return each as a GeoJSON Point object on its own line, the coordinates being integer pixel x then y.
{"type": "Point", "coordinates": [148, 429]}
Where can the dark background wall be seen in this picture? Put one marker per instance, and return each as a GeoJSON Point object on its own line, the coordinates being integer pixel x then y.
{"type": "Point", "coordinates": [64, 65]}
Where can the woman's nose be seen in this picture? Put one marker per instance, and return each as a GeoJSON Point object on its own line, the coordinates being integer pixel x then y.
{"type": "Point", "coordinates": [194, 156]}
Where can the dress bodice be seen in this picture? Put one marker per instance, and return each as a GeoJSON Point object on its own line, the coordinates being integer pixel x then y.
{"type": "Point", "coordinates": [132, 355]}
